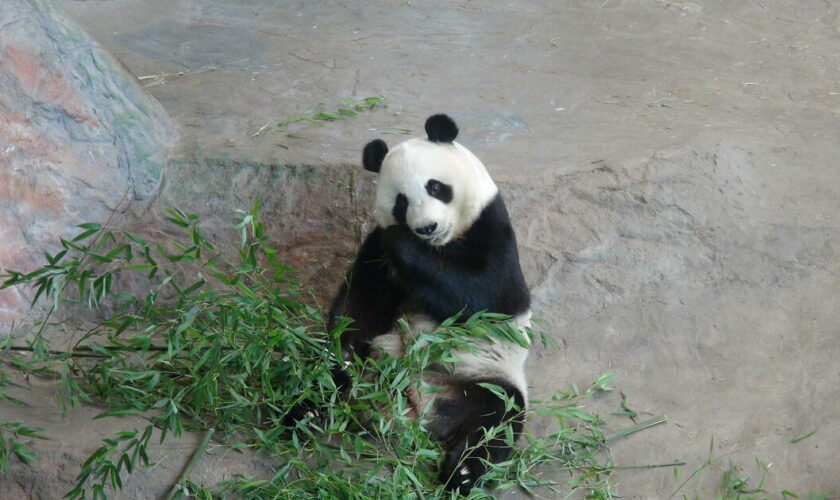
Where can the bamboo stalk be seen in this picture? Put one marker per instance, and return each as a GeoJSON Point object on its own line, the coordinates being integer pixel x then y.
{"type": "Point", "coordinates": [636, 428]}
{"type": "Point", "coordinates": [196, 456]}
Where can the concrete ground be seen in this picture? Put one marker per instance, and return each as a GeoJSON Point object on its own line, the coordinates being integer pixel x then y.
{"type": "Point", "coordinates": [671, 169]}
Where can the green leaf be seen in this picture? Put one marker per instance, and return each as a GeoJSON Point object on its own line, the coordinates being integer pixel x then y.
{"type": "Point", "coordinates": [373, 102]}
{"type": "Point", "coordinates": [124, 248]}
{"type": "Point", "coordinates": [85, 234]}
{"type": "Point", "coordinates": [23, 454]}
{"type": "Point", "coordinates": [119, 412]}
{"type": "Point", "coordinates": [177, 217]}
{"type": "Point", "coordinates": [327, 116]}
{"type": "Point", "coordinates": [136, 239]}
{"type": "Point", "coordinates": [803, 438]}
{"type": "Point", "coordinates": [601, 383]}
{"type": "Point", "coordinates": [495, 389]}
{"type": "Point", "coordinates": [30, 432]}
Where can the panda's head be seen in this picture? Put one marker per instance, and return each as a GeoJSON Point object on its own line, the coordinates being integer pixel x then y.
{"type": "Point", "coordinates": [435, 186]}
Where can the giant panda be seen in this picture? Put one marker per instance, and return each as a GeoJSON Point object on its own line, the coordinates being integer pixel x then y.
{"type": "Point", "coordinates": [443, 245]}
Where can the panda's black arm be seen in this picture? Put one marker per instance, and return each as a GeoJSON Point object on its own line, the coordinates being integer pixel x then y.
{"type": "Point", "coordinates": [367, 297]}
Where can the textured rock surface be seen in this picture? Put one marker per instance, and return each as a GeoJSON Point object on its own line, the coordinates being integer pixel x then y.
{"type": "Point", "coordinates": [78, 135]}
{"type": "Point", "coordinates": [671, 168]}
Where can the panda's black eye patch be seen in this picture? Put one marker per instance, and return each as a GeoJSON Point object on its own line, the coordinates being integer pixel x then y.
{"type": "Point", "coordinates": [439, 190]}
{"type": "Point", "coordinates": [400, 208]}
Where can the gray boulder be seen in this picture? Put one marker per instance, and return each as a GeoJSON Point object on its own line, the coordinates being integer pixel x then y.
{"type": "Point", "coordinates": [79, 137]}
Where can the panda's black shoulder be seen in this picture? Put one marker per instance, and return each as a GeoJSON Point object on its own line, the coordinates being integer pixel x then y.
{"type": "Point", "coordinates": [491, 238]}
{"type": "Point", "coordinates": [492, 228]}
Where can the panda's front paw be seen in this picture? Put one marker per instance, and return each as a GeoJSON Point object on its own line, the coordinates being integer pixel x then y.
{"type": "Point", "coordinates": [397, 242]}
{"type": "Point", "coordinates": [305, 411]}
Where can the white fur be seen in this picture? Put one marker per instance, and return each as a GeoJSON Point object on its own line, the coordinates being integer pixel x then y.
{"type": "Point", "coordinates": [408, 167]}
{"type": "Point", "coordinates": [497, 359]}
{"type": "Point", "coordinates": [391, 343]}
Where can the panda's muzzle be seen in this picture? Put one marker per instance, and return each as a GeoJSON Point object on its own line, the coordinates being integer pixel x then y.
{"type": "Point", "coordinates": [426, 230]}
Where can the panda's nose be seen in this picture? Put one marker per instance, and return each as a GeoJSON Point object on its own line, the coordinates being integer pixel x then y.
{"type": "Point", "coordinates": [427, 230]}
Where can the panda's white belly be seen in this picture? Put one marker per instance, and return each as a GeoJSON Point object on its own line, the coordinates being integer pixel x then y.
{"type": "Point", "coordinates": [489, 360]}
{"type": "Point", "coordinates": [500, 359]}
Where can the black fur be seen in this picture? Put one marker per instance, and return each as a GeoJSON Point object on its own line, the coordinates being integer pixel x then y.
{"type": "Point", "coordinates": [441, 128]}
{"type": "Point", "coordinates": [478, 271]}
{"type": "Point", "coordinates": [439, 190]}
{"type": "Point", "coordinates": [400, 208]}
{"type": "Point", "coordinates": [395, 271]}
{"type": "Point", "coordinates": [461, 424]}
{"type": "Point", "coordinates": [368, 297]}
{"type": "Point", "coordinates": [373, 154]}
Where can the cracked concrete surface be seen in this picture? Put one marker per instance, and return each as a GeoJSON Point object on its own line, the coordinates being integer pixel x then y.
{"type": "Point", "coordinates": [671, 169]}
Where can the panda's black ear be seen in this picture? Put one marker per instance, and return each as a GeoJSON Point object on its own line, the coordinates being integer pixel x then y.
{"type": "Point", "coordinates": [441, 128]}
{"type": "Point", "coordinates": [373, 155]}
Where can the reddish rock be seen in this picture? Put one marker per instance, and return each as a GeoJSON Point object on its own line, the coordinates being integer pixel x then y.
{"type": "Point", "coordinates": [79, 137]}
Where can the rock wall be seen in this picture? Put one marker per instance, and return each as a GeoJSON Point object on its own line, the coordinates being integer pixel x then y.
{"type": "Point", "coordinates": [79, 137]}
